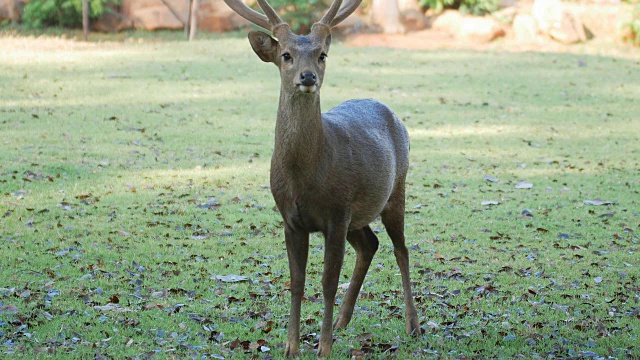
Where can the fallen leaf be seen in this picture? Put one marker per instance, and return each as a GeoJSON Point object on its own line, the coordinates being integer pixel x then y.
{"type": "Point", "coordinates": [152, 306]}
{"type": "Point", "coordinates": [231, 278]}
{"type": "Point", "coordinates": [597, 202]}
{"type": "Point", "coordinates": [8, 309]}
{"type": "Point", "coordinates": [108, 307]}
{"type": "Point", "coordinates": [524, 185]}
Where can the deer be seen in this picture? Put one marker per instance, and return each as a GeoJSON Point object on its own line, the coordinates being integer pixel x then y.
{"type": "Point", "coordinates": [333, 172]}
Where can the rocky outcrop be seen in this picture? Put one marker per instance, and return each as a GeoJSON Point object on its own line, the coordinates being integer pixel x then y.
{"type": "Point", "coordinates": [558, 22]}
{"type": "Point", "coordinates": [216, 16]}
{"type": "Point", "coordinates": [213, 15]}
{"type": "Point", "coordinates": [468, 28]}
{"type": "Point", "coordinates": [525, 28]}
{"type": "Point", "coordinates": [10, 10]}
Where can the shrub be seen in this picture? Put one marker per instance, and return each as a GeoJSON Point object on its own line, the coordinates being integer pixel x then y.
{"type": "Point", "coordinates": [300, 14]}
{"type": "Point", "coordinates": [632, 28]}
{"type": "Point", "coordinates": [474, 7]}
{"type": "Point", "coordinates": [65, 13]}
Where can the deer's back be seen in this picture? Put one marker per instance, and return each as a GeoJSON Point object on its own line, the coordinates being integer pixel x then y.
{"type": "Point", "coordinates": [367, 124]}
{"type": "Point", "coordinates": [371, 153]}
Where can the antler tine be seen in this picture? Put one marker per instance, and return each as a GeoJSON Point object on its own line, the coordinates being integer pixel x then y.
{"type": "Point", "coordinates": [331, 13]}
{"type": "Point", "coordinates": [248, 13]}
{"type": "Point", "coordinates": [347, 10]}
{"type": "Point", "coordinates": [273, 17]}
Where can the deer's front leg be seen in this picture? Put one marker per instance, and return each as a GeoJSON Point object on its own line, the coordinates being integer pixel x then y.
{"type": "Point", "coordinates": [297, 251]}
{"type": "Point", "coordinates": [334, 244]}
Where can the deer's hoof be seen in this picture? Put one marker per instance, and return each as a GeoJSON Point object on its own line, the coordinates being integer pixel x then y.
{"type": "Point", "coordinates": [413, 327]}
{"type": "Point", "coordinates": [340, 324]}
{"type": "Point", "coordinates": [324, 351]}
{"type": "Point", "coordinates": [291, 350]}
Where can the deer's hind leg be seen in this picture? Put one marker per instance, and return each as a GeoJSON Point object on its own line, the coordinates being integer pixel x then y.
{"type": "Point", "coordinates": [393, 220]}
{"type": "Point", "coordinates": [365, 243]}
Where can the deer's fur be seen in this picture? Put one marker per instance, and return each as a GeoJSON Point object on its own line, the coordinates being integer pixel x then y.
{"type": "Point", "coordinates": [332, 173]}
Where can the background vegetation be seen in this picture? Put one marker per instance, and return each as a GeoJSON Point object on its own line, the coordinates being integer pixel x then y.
{"type": "Point", "coordinates": [136, 219]}
{"type": "Point", "coordinates": [633, 26]}
{"type": "Point", "coordinates": [474, 7]}
{"type": "Point", "coordinates": [65, 13]}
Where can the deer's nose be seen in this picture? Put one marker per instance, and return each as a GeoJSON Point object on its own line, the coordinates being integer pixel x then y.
{"type": "Point", "coordinates": [308, 78]}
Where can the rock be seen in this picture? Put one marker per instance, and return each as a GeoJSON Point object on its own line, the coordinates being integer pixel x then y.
{"type": "Point", "coordinates": [112, 22]}
{"type": "Point", "coordinates": [480, 30]}
{"type": "Point", "coordinates": [601, 19]}
{"type": "Point", "coordinates": [506, 15]}
{"type": "Point", "coordinates": [556, 21]}
{"type": "Point", "coordinates": [130, 7]}
{"type": "Point", "coordinates": [413, 20]}
{"type": "Point", "coordinates": [468, 28]}
{"type": "Point", "coordinates": [213, 15]}
{"type": "Point", "coordinates": [216, 16]}
{"type": "Point", "coordinates": [154, 14]}
{"type": "Point", "coordinates": [525, 28]}
{"type": "Point", "coordinates": [155, 18]}
{"type": "Point", "coordinates": [10, 10]}
{"type": "Point", "coordinates": [570, 30]}
{"type": "Point", "coordinates": [547, 13]}
{"type": "Point", "coordinates": [449, 21]}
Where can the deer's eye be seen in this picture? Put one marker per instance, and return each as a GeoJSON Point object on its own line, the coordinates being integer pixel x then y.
{"type": "Point", "coordinates": [286, 57]}
{"type": "Point", "coordinates": [323, 57]}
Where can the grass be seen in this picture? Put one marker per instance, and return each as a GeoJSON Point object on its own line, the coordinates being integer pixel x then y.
{"type": "Point", "coordinates": [133, 179]}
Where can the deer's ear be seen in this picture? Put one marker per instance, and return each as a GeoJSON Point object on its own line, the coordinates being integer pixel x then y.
{"type": "Point", "coordinates": [264, 45]}
{"type": "Point", "coordinates": [327, 43]}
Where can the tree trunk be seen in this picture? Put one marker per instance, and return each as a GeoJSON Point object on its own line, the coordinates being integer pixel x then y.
{"type": "Point", "coordinates": [408, 5]}
{"type": "Point", "coordinates": [386, 13]}
{"type": "Point", "coordinates": [85, 19]}
{"type": "Point", "coordinates": [187, 19]}
{"type": "Point", "coordinates": [194, 19]}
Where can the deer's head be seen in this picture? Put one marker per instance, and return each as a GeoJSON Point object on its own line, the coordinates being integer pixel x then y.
{"type": "Point", "coordinates": [300, 58]}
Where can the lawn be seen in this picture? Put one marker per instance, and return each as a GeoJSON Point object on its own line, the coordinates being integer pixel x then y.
{"type": "Point", "coordinates": [136, 219]}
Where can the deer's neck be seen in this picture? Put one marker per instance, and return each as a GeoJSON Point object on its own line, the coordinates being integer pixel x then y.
{"type": "Point", "coordinates": [300, 136]}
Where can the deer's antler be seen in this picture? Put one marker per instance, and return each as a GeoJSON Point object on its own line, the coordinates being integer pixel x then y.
{"type": "Point", "coordinates": [270, 19]}
{"type": "Point", "coordinates": [331, 13]}
{"type": "Point", "coordinates": [267, 21]}
{"type": "Point", "coordinates": [347, 10]}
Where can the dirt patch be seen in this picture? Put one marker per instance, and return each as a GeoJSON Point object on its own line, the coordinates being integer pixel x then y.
{"type": "Point", "coordinates": [442, 40]}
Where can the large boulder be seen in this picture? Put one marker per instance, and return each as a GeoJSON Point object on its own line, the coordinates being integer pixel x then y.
{"type": "Point", "coordinates": [10, 10]}
{"type": "Point", "coordinates": [112, 22]}
{"type": "Point", "coordinates": [570, 30]}
{"type": "Point", "coordinates": [547, 13]}
{"type": "Point", "coordinates": [216, 16]}
{"type": "Point", "coordinates": [559, 23]}
{"type": "Point", "coordinates": [413, 20]}
{"type": "Point", "coordinates": [468, 28]}
{"type": "Point", "coordinates": [156, 18]}
{"type": "Point", "coordinates": [448, 21]}
{"type": "Point", "coordinates": [525, 28]}
{"type": "Point", "coordinates": [154, 14]}
{"type": "Point", "coordinates": [480, 29]}
{"type": "Point", "coordinates": [213, 15]}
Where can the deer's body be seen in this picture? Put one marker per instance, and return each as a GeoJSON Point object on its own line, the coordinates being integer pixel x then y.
{"type": "Point", "coordinates": [328, 168]}
{"type": "Point", "coordinates": [332, 173]}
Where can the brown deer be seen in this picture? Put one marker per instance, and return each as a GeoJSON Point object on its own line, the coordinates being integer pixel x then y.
{"type": "Point", "coordinates": [332, 173]}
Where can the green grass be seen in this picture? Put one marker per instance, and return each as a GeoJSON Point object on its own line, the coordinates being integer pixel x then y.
{"type": "Point", "coordinates": [137, 173]}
